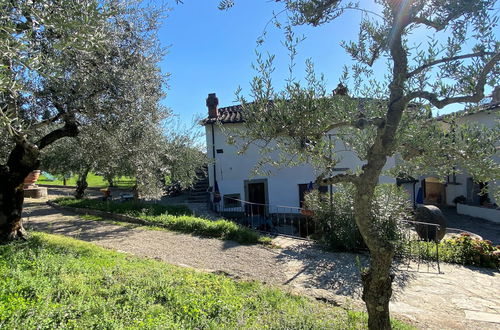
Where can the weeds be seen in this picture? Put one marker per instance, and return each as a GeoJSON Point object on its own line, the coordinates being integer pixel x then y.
{"type": "Point", "coordinates": [51, 282]}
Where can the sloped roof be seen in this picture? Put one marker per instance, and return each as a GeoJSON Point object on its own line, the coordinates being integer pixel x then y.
{"type": "Point", "coordinates": [227, 115]}
{"type": "Point", "coordinates": [233, 114]}
{"type": "Point", "coordinates": [494, 106]}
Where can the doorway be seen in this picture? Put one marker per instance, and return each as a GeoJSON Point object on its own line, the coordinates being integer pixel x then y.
{"type": "Point", "coordinates": [475, 192]}
{"type": "Point", "coordinates": [256, 193]}
{"type": "Point", "coordinates": [434, 191]}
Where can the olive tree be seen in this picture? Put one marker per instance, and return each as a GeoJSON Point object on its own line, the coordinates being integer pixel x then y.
{"type": "Point", "coordinates": [148, 151]}
{"type": "Point", "coordinates": [183, 156]}
{"type": "Point", "coordinates": [383, 115]}
{"type": "Point", "coordinates": [66, 66]}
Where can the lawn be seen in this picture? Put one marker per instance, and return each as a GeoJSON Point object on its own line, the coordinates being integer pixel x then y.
{"type": "Point", "coordinates": [93, 180]}
{"type": "Point", "coordinates": [176, 218]}
{"type": "Point", "coordinates": [52, 282]}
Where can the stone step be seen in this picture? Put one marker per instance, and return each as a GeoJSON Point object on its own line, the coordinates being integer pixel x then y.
{"type": "Point", "coordinates": [198, 192]}
{"type": "Point", "coordinates": [205, 196]}
{"type": "Point", "coordinates": [197, 198]}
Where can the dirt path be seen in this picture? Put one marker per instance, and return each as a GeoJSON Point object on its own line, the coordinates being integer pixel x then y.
{"type": "Point", "coordinates": [460, 297]}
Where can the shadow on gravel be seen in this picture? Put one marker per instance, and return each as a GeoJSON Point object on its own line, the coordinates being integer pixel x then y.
{"type": "Point", "coordinates": [48, 220]}
{"type": "Point", "coordinates": [338, 272]}
{"type": "Point", "coordinates": [80, 229]}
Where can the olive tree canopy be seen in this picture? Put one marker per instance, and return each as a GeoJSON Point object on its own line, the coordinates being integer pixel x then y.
{"type": "Point", "coordinates": [380, 116]}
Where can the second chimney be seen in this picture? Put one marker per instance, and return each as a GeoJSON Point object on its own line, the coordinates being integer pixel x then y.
{"type": "Point", "coordinates": [212, 102]}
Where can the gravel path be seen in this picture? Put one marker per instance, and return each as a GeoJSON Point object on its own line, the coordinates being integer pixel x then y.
{"type": "Point", "coordinates": [459, 298]}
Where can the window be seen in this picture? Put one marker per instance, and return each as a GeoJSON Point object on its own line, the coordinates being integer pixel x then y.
{"type": "Point", "coordinates": [232, 200]}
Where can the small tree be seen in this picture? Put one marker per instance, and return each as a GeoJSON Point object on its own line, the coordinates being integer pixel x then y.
{"type": "Point", "coordinates": [183, 157]}
{"type": "Point", "coordinates": [386, 117]}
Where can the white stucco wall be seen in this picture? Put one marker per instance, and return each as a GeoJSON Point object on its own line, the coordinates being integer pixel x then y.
{"type": "Point", "coordinates": [487, 118]}
{"type": "Point", "coordinates": [479, 212]}
{"type": "Point", "coordinates": [460, 188]}
{"type": "Point", "coordinates": [232, 170]}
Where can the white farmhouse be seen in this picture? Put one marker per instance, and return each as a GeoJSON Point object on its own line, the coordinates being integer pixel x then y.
{"type": "Point", "coordinates": [461, 186]}
{"type": "Point", "coordinates": [232, 172]}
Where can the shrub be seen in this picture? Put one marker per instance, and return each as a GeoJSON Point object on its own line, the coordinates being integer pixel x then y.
{"type": "Point", "coordinates": [132, 208]}
{"type": "Point", "coordinates": [176, 218]}
{"type": "Point", "coordinates": [462, 250]}
{"type": "Point", "coordinates": [337, 227]}
{"type": "Point", "coordinates": [466, 250]}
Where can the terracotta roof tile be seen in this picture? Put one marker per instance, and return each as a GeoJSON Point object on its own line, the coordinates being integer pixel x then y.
{"type": "Point", "coordinates": [227, 115]}
{"type": "Point", "coordinates": [233, 114]}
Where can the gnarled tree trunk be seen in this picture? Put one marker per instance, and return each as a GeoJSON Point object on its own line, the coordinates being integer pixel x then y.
{"type": "Point", "coordinates": [22, 160]}
{"type": "Point", "coordinates": [81, 184]}
{"type": "Point", "coordinates": [377, 280]}
{"type": "Point", "coordinates": [11, 206]}
{"type": "Point", "coordinates": [377, 289]}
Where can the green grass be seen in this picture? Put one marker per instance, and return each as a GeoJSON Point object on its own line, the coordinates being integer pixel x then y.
{"type": "Point", "coordinates": [131, 208]}
{"type": "Point", "coordinates": [93, 180]}
{"type": "Point", "coordinates": [176, 218]}
{"type": "Point", "coordinates": [52, 282]}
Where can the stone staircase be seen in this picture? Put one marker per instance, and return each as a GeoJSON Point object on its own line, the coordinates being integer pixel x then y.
{"type": "Point", "coordinates": [199, 194]}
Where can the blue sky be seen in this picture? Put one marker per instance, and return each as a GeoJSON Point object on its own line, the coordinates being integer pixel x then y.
{"type": "Point", "coordinates": [211, 51]}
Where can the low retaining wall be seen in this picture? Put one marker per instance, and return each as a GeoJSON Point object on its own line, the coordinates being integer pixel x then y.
{"type": "Point", "coordinates": [105, 215]}
{"type": "Point", "coordinates": [479, 212]}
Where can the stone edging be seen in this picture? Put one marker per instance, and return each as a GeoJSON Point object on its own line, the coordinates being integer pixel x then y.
{"type": "Point", "coordinates": [104, 214]}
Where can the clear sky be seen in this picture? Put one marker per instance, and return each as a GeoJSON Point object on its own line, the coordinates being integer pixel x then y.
{"type": "Point", "coordinates": [211, 51]}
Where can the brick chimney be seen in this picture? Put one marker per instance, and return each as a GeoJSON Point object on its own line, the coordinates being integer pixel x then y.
{"type": "Point", "coordinates": [212, 102]}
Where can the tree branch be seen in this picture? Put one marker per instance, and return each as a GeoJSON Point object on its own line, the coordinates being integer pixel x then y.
{"type": "Point", "coordinates": [48, 121]}
{"type": "Point", "coordinates": [341, 124]}
{"type": "Point", "coordinates": [438, 26]}
{"type": "Point", "coordinates": [429, 23]}
{"type": "Point", "coordinates": [445, 60]}
{"type": "Point", "coordinates": [70, 129]}
{"type": "Point", "coordinates": [477, 95]}
{"type": "Point", "coordinates": [360, 123]}
{"type": "Point", "coordinates": [343, 177]}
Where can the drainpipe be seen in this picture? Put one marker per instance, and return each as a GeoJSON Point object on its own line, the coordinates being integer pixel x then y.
{"type": "Point", "coordinates": [331, 187]}
{"type": "Point", "coordinates": [213, 152]}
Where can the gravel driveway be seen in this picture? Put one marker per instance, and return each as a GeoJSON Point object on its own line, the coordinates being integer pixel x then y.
{"type": "Point", "coordinates": [459, 298]}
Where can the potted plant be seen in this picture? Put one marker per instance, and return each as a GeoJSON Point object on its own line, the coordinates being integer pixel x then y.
{"type": "Point", "coordinates": [307, 213]}
{"type": "Point", "coordinates": [31, 178]}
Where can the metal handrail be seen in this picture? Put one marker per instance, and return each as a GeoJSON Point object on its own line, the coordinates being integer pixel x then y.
{"type": "Point", "coordinates": [252, 203]}
{"type": "Point", "coordinates": [290, 221]}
